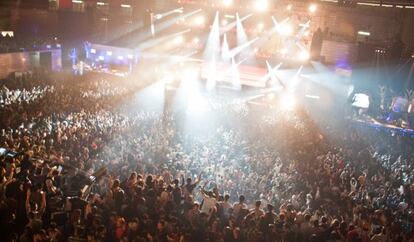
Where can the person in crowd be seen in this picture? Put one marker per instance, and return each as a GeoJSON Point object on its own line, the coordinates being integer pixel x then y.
{"type": "Point", "coordinates": [78, 164]}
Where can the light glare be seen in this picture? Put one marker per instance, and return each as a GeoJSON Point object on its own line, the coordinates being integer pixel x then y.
{"type": "Point", "coordinates": [285, 29]}
{"type": "Point", "coordinates": [200, 20]}
{"type": "Point", "coordinates": [287, 101]}
{"type": "Point", "coordinates": [179, 39]}
{"type": "Point", "coordinates": [227, 3]}
{"type": "Point", "coordinates": [261, 5]}
{"type": "Point", "coordinates": [196, 40]}
{"type": "Point", "coordinates": [313, 8]}
{"type": "Point", "coordinates": [304, 55]}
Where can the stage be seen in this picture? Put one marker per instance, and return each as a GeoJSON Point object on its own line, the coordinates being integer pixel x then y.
{"type": "Point", "coordinates": [367, 121]}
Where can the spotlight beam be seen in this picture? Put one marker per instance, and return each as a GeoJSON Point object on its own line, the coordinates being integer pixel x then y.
{"type": "Point", "coordinates": [174, 59]}
{"type": "Point", "coordinates": [163, 15]}
{"type": "Point", "coordinates": [271, 73]}
{"type": "Point", "coordinates": [235, 75]}
{"type": "Point", "coordinates": [233, 24]}
{"type": "Point", "coordinates": [162, 26]}
{"type": "Point", "coordinates": [140, 34]}
{"type": "Point", "coordinates": [302, 30]}
{"type": "Point", "coordinates": [213, 40]}
{"type": "Point", "coordinates": [116, 34]}
{"type": "Point", "coordinates": [235, 65]}
{"type": "Point", "coordinates": [242, 39]}
{"type": "Point", "coordinates": [235, 51]}
{"type": "Point", "coordinates": [292, 86]}
{"type": "Point", "coordinates": [152, 43]}
{"type": "Point", "coordinates": [225, 51]}
{"type": "Point", "coordinates": [276, 24]}
{"type": "Point", "coordinates": [301, 47]}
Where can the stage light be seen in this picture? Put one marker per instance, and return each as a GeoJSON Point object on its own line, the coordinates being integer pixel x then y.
{"type": "Point", "coordinates": [287, 101]}
{"type": "Point", "coordinates": [179, 10]}
{"type": "Point", "coordinates": [120, 57]}
{"type": "Point", "coordinates": [364, 33]}
{"type": "Point", "coordinates": [189, 74]}
{"type": "Point", "coordinates": [130, 56]}
{"type": "Point", "coordinates": [179, 39]}
{"type": "Point", "coordinates": [196, 40]}
{"type": "Point", "coordinates": [283, 51]}
{"type": "Point", "coordinates": [289, 7]}
{"type": "Point", "coordinates": [125, 6]}
{"type": "Point", "coordinates": [224, 22]}
{"type": "Point", "coordinates": [313, 8]}
{"type": "Point", "coordinates": [227, 3]}
{"type": "Point", "coordinates": [261, 5]}
{"type": "Point", "coordinates": [101, 57]}
{"type": "Point", "coordinates": [310, 96]}
{"type": "Point", "coordinates": [304, 55]}
{"type": "Point", "coordinates": [109, 53]}
{"type": "Point", "coordinates": [260, 26]}
{"type": "Point", "coordinates": [93, 51]}
{"type": "Point", "coordinates": [199, 20]}
{"type": "Point", "coordinates": [285, 29]}
{"type": "Point", "coordinates": [271, 96]}
{"type": "Point", "coordinates": [158, 16]}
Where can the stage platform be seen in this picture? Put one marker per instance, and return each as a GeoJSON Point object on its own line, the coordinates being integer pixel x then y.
{"type": "Point", "coordinates": [368, 121]}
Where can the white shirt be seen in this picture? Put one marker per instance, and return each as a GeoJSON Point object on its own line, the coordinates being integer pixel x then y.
{"type": "Point", "coordinates": [209, 202]}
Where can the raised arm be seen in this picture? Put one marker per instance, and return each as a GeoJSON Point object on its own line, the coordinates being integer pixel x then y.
{"type": "Point", "coordinates": [27, 202]}
{"type": "Point", "coordinates": [43, 203]}
{"type": "Point", "coordinates": [182, 180]}
{"type": "Point", "coordinates": [198, 180]}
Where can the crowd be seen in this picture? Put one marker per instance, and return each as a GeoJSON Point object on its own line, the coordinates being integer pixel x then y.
{"type": "Point", "coordinates": [78, 164]}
